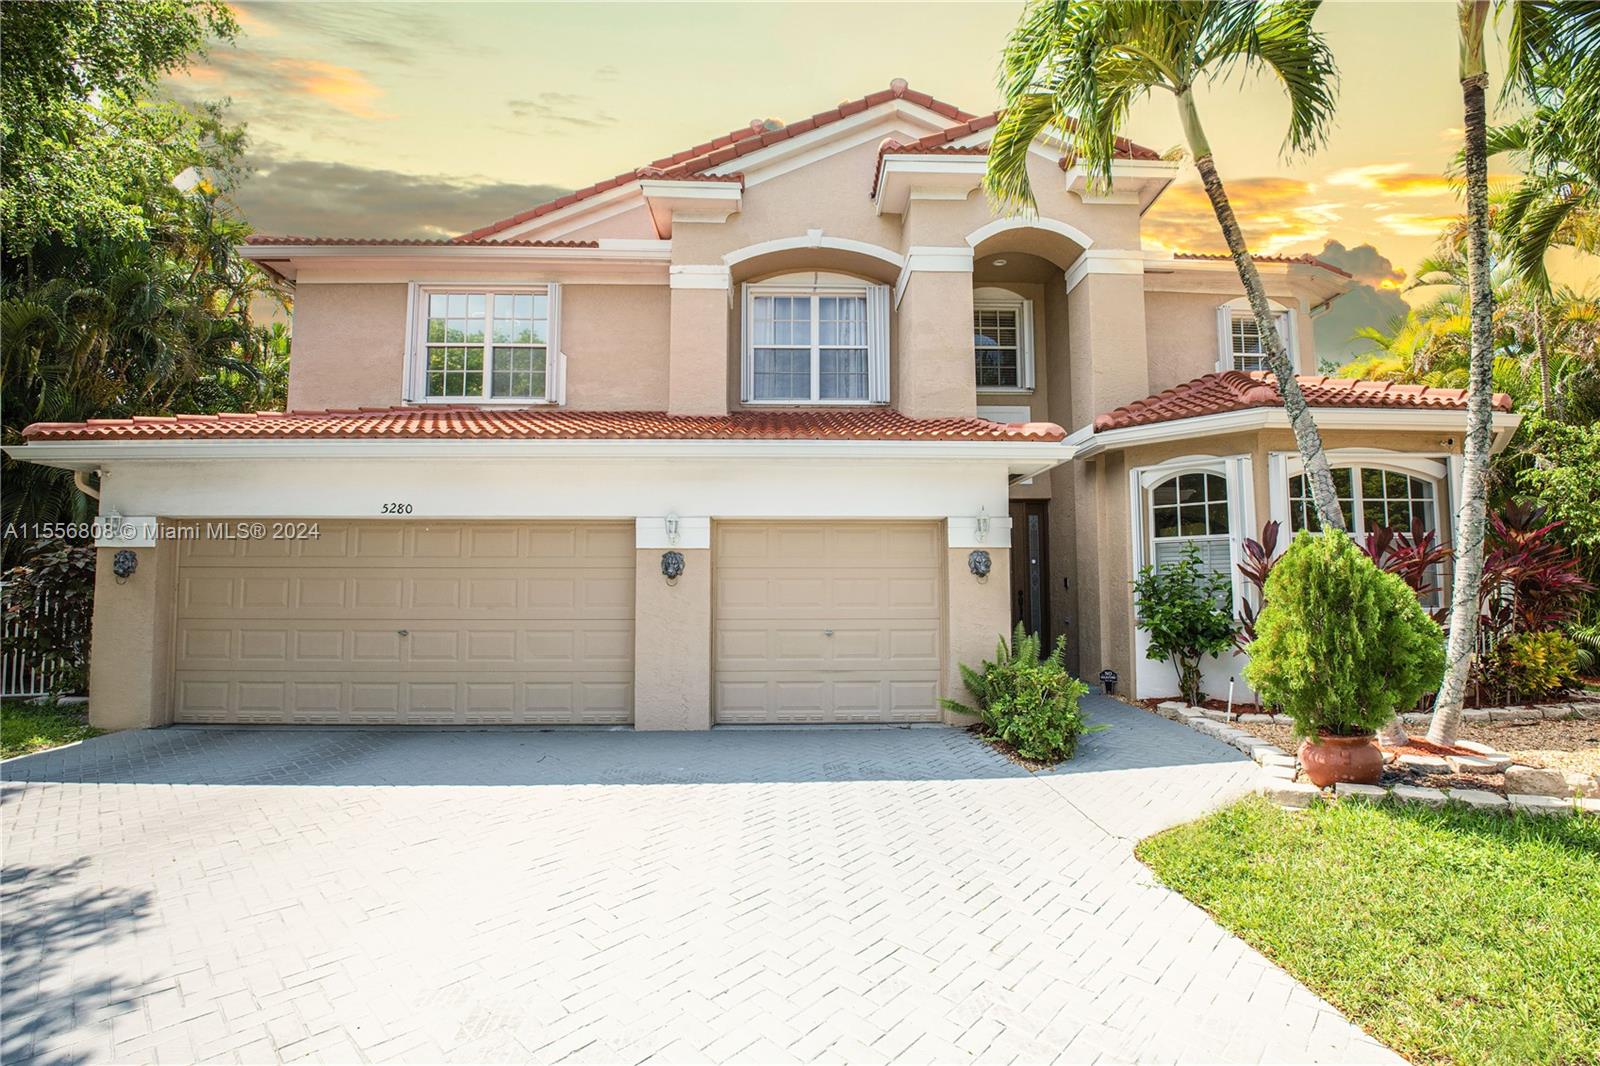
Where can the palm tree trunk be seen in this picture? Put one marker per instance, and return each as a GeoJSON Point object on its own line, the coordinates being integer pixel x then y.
{"type": "Point", "coordinates": [1470, 519]}
{"type": "Point", "coordinates": [1317, 472]}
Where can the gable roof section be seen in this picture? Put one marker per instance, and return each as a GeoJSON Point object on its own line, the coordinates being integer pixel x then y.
{"type": "Point", "coordinates": [480, 423]}
{"type": "Point", "coordinates": [691, 163]}
{"type": "Point", "coordinates": [1234, 390]}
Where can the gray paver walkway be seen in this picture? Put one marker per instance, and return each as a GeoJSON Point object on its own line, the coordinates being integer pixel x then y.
{"type": "Point", "coordinates": [742, 895]}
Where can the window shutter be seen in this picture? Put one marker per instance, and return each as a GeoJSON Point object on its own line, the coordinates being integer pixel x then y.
{"type": "Point", "coordinates": [878, 343]}
{"type": "Point", "coordinates": [747, 358]}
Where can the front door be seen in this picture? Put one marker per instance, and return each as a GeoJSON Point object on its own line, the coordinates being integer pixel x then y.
{"type": "Point", "coordinates": [1030, 567]}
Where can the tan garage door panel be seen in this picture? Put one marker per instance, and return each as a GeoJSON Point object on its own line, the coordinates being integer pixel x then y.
{"type": "Point", "coordinates": [409, 623]}
{"type": "Point", "coordinates": [831, 622]}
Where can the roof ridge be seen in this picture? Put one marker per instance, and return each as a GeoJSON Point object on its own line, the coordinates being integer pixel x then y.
{"type": "Point", "coordinates": [1304, 258]}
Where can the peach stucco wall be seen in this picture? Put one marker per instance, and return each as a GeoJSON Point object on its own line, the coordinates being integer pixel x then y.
{"type": "Point", "coordinates": [672, 643]}
{"type": "Point", "coordinates": [615, 339]}
{"type": "Point", "coordinates": [130, 669]}
{"type": "Point", "coordinates": [978, 613]}
{"type": "Point", "coordinates": [349, 346]}
{"type": "Point", "coordinates": [1181, 331]}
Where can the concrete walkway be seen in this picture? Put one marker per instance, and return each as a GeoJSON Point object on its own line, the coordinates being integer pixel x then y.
{"type": "Point", "coordinates": [766, 895]}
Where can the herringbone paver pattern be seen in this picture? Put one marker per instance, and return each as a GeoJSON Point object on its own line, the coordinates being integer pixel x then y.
{"type": "Point", "coordinates": [845, 895]}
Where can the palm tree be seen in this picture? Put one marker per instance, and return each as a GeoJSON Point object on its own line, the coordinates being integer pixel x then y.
{"type": "Point", "coordinates": [1073, 68]}
{"type": "Point", "coordinates": [1552, 55]}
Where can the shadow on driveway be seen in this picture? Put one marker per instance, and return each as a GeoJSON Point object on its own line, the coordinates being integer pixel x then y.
{"type": "Point", "coordinates": [524, 756]}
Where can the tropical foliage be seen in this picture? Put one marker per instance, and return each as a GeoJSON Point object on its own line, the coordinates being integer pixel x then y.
{"type": "Point", "coordinates": [1028, 701]}
{"type": "Point", "coordinates": [1341, 646]}
{"type": "Point", "coordinates": [120, 293]}
{"type": "Point", "coordinates": [48, 605]}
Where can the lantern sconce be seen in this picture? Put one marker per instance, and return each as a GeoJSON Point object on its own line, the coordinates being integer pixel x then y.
{"type": "Point", "coordinates": [671, 522]}
{"type": "Point", "coordinates": [980, 565]}
{"type": "Point", "coordinates": [123, 564]}
{"type": "Point", "coordinates": [672, 566]}
{"type": "Point", "coordinates": [980, 525]}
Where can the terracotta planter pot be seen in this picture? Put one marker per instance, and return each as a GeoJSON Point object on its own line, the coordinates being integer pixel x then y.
{"type": "Point", "coordinates": [1356, 760]}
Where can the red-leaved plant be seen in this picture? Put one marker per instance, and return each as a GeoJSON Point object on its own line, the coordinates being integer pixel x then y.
{"type": "Point", "coordinates": [1531, 581]}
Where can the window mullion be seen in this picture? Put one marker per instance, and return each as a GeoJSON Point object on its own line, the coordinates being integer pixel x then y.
{"type": "Point", "coordinates": [816, 348]}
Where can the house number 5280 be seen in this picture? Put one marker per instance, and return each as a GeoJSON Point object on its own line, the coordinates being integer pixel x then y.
{"type": "Point", "coordinates": [396, 508]}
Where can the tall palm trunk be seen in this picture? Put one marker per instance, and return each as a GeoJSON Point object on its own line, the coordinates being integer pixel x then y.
{"type": "Point", "coordinates": [1542, 351]}
{"type": "Point", "coordinates": [1470, 519]}
{"type": "Point", "coordinates": [1317, 473]}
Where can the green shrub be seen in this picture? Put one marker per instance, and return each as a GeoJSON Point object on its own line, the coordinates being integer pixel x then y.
{"type": "Point", "coordinates": [1341, 646]}
{"type": "Point", "coordinates": [1185, 608]}
{"type": "Point", "coordinates": [1531, 665]}
{"type": "Point", "coordinates": [1028, 702]}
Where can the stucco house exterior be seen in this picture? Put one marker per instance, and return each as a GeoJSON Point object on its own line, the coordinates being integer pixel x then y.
{"type": "Point", "coordinates": [779, 428]}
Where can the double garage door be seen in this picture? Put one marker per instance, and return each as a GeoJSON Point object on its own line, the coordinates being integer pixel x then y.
{"type": "Point", "coordinates": [533, 623]}
{"type": "Point", "coordinates": [409, 623]}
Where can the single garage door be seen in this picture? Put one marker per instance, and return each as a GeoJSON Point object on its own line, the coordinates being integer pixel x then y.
{"type": "Point", "coordinates": [827, 622]}
{"type": "Point", "coordinates": [424, 623]}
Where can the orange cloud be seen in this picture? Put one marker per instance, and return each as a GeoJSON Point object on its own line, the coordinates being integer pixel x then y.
{"type": "Point", "coordinates": [1392, 179]}
{"type": "Point", "coordinates": [251, 22]}
{"type": "Point", "coordinates": [343, 87]}
{"type": "Point", "coordinates": [1415, 224]}
{"type": "Point", "coordinates": [1276, 213]}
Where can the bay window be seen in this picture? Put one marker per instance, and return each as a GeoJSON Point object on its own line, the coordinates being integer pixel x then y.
{"type": "Point", "coordinates": [815, 339]}
{"type": "Point", "coordinates": [483, 344]}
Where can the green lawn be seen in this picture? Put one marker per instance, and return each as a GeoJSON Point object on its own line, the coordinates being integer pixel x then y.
{"type": "Point", "coordinates": [26, 727]}
{"type": "Point", "coordinates": [1454, 936]}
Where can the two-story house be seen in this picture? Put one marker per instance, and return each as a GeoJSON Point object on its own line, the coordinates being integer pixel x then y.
{"type": "Point", "coordinates": [779, 428]}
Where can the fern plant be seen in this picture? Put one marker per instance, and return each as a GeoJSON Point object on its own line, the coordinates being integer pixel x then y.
{"type": "Point", "coordinates": [1027, 699]}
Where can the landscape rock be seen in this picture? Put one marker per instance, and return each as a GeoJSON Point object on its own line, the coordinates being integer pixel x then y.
{"type": "Point", "coordinates": [1257, 718]}
{"type": "Point", "coordinates": [1172, 709]}
{"type": "Point", "coordinates": [1425, 764]}
{"type": "Point", "coordinates": [1542, 804]}
{"type": "Point", "coordinates": [1475, 714]}
{"type": "Point", "coordinates": [1477, 764]}
{"type": "Point", "coordinates": [1431, 797]}
{"type": "Point", "coordinates": [1351, 790]}
{"type": "Point", "coordinates": [1474, 797]}
{"type": "Point", "coordinates": [1296, 794]}
{"type": "Point", "coordinates": [1534, 781]}
{"type": "Point", "coordinates": [1481, 749]}
{"type": "Point", "coordinates": [1513, 714]}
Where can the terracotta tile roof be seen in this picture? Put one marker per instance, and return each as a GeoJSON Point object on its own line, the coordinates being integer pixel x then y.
{"type": "Point", "coordinates": [692, 162]}
{"type": "Point", "coordinates": [405, 242]}
{"type": "Point", "coordinates": [1235, 390]}
{"type": "Point", "coordinates": [1308, 260]}
{"type": "Point", "coordinates": [543, 423]}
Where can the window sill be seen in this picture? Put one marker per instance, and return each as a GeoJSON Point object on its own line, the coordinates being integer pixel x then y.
{"type": "Point", "coordinates": [1003, 390]}
{"type": "Point", "coordinates": [813, 403]}
{"type": "Point", "coordinates": [469, 401]}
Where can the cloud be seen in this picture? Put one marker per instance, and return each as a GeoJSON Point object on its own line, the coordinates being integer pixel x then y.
{"type": "Point", "coordinates": [568, 109]}
{"type": "Point", "coordinates": [276, 87]}
{"type": "Point", "coordinates": [1416, 224]}
{"type": "Point", "coordinates": [1374, 300]}
{"type": "Point", "coordinates": [1392, 179]}
{"type": "Point", "coordinates": [607, 73]}
{"type": "Point", "coordinates": [400, 34]}
{"type": "Point", "coordinates": [1275, 213]}
{"type": "Point", "coordinates": [310, 197]}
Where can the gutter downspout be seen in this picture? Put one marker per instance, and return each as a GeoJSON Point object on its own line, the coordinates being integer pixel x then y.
{"type": "Point", "coordinates": [80, 478]}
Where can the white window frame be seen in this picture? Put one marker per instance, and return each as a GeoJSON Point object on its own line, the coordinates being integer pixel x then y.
{"type": "Point", "coordinates": [1240, 308]}
{"type": "Point", "coordinates": [416, 356]}
{"type": "Point", "coordinates": [815, 284]}
{"type": "Point", "coordinates": [997, 299]}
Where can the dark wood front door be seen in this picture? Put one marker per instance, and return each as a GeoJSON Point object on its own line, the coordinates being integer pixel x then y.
{"type": "Point", "coordinates": [1030, 567]}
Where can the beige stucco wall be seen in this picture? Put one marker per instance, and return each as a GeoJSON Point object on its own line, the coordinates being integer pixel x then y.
{"type": "Point", "coordinates": [1106, 341]}
{"type": "Point", "coordinates": [936, 375]}
{"type": "Point", "coordinates": [978, 614]}
{"type": "Point", "coordinates": [1181, 332]}
{"type": "Point", "coordinates": [349, 346]}
{"type": "Point", "coordinates": [699, 362]}
{"type": "Point", "coordinates": [672, 643]}
{"type": "Point", "coordinates": [615, 338]}
{"type": "Point", "coordinates": [131, 649]}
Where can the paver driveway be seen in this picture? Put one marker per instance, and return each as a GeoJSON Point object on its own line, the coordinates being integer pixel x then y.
{"type": "Point", "coordinates": [754, 895]}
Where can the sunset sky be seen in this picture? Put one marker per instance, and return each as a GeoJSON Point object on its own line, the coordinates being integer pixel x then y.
{"type": "Point", "coordinates": [428, 119]}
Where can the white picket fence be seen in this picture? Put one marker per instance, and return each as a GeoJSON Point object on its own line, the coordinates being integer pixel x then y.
{"type": "Point", "coordinates": [23, 674]}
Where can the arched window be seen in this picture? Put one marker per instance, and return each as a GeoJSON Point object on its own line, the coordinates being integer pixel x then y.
{"type": "Point", "coordinates": [1191, 508]}
{"type": "Point", "coordinates": [1370, 497]}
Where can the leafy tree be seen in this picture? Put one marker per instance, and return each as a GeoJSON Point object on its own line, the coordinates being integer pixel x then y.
{"type": "Point", "coordinates": [1341, 646]}
{"type": "Point", "coordinates": [1074, 68]}
{"type": "Point", "coordinates": [1564, 480]}
{"type": "Point", "coordinates": [1184, 607]}
{"type": "Point", "coordinates": [82, 141]}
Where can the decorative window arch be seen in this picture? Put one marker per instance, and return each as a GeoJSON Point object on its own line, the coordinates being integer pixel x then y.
{"type": "Point", "coordinates": [1189, 505]}
{"type": "Point", "coordinates": [815, 338]}
{"type": "Point", "coordinates": [1239, 345]}
{"type": "Point", "coordinates": [1002, 340]}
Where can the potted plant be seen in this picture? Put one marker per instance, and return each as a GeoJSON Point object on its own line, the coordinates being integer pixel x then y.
{"type": "Point", "coordinates": [1183, 606]}
{"type": "Point", "coordinates": [1340, 647]}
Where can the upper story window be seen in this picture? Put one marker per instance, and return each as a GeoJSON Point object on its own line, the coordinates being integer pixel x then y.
{"type": "Point", "coordinates": [1002, 340]}
{"type": "Point", "coordinates": [486, 344]}
{"type": "Point", "coordinates": [1240, 337]}
{"type": "Point", "coordinates": [815, 339]}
